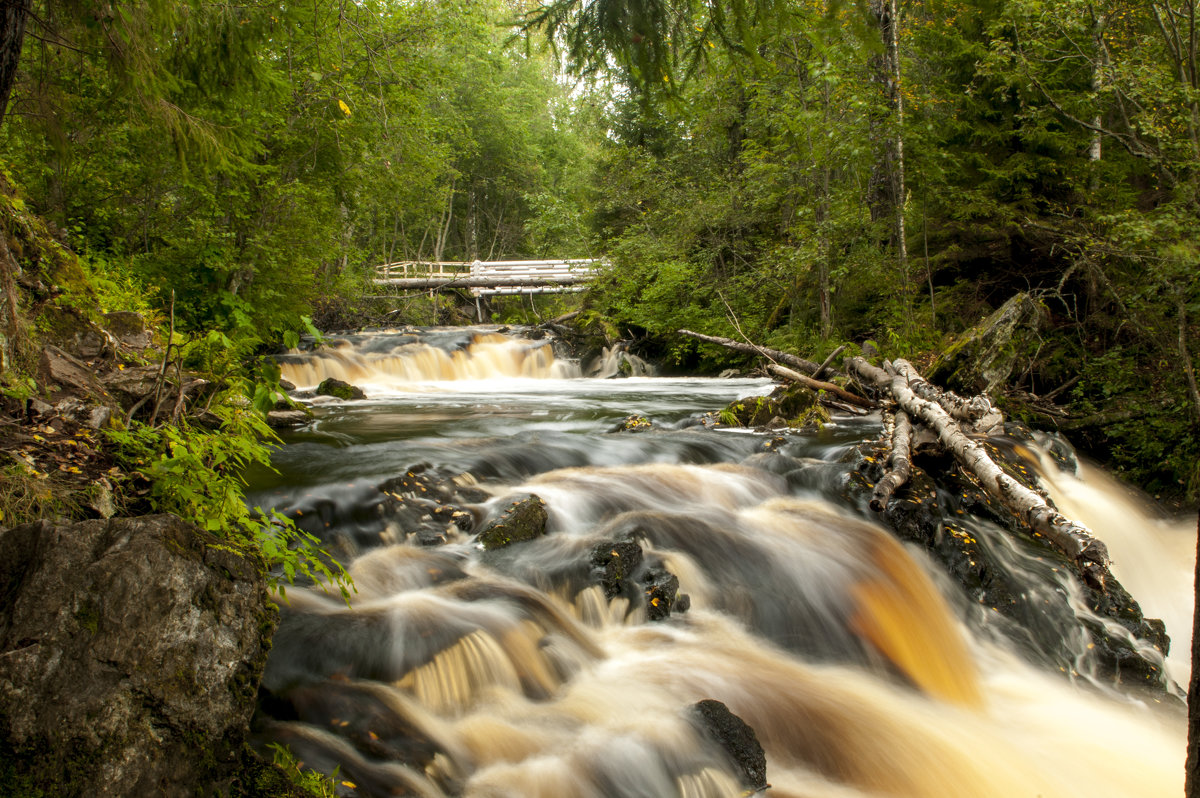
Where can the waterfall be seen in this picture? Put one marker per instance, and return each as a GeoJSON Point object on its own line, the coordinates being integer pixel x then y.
{"type": "Point", "coordinates": [547, 667]}
{"type": "Point", "coordinates": [385, 361]}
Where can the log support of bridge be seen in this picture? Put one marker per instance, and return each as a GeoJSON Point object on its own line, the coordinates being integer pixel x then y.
{"type": "Point", "coordinates": [486, 278]}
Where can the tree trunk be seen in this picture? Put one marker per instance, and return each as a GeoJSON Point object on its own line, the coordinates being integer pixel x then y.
{"type": "Point", "coordinates": [754, 349]}
{"type": "Point", "coordinates": [12, 326]}
{"type": "Point", "coordinates": [899, 464]}
{"type": "Point", "coordinates": [467, 281]}
{"type": "Point", "coordinates": [825, 264]}
{"type": "Point", "coordinates": [1185, 356]}
{"type": "Point", "coordinates": [896, 100]}
{"type": "Point", "coordinates": [1192, 780]}
{"type": "Point", "coordinates": [13, 14]}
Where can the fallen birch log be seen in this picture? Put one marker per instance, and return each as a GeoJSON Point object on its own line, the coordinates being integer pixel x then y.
{"type": "Point", "coordinates": [899, 463]}
{"type": "Point", "coordinates": [1033, 509]}
{"type": "Point", "coordinates": [753, 349]}
{"type": "Point", "coordinates": [819, 385]}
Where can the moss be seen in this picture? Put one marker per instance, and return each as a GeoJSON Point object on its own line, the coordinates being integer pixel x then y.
{"type": "Point", "coordinates": [340, 389]}
{"type": "Point", "coordinates": [796, 405]}
{"type": "Point", "coordinates": [88, 615]}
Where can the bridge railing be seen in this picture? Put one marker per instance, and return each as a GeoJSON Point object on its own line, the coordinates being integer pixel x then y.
{"type": "Point", "coordinates": [447, 269]}
{"type": "Point", "coordinates": [486, 278]}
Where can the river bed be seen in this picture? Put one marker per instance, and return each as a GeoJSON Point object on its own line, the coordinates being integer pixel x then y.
{"type": "Point", "coordinates": [859, 664]}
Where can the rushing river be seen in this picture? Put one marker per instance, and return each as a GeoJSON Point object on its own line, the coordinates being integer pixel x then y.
{"type": "Point", "coordinates": [862, 667]}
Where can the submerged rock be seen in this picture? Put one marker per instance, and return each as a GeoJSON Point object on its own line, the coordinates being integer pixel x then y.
{"type": "Point", "coordinates": [132, 651]}
{"type": "Point", "coordinates": [289, 418]}
{"type": "Point", "coordinates": [633, 423]}
{"type": "Point", "coordinates": [524, 519]}
{"type": "Point", "coordinates": [340, 389]}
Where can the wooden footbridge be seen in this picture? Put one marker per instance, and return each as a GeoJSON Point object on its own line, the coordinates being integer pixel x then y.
{"type": "Point", "coordinates": [489, 278]}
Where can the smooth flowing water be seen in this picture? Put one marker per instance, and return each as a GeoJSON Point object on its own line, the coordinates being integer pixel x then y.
{"type": "Point", "coordinates": [862, 667]}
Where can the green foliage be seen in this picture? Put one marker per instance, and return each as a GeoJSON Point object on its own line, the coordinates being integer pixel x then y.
{"type": "Point", "coordinates": [195, 473]}
{"type": "Point", "coordinates": [250, 160]}
{"type": "Point", "coordinates": [17, 387]}
{"type": "Point", "coordinates": [311, 781]}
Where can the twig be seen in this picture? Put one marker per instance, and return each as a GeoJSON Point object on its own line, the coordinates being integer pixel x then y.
{"type": "Point", "coordinates": [828, 360]}
{"type": "Point", "coordinates": [1065, 386]}
{"type": "Point", "coordinates": [162, 372]}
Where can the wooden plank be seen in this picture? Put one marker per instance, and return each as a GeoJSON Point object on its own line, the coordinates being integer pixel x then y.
{"type": "Point", "coordinates": [482, 282]}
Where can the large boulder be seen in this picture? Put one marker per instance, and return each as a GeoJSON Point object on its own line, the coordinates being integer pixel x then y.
{"type": "Point", "coordinates": [130, 655]}
{"type": "Point", "coordinates": [340, 389]}
{"type": "Point", "coordinates": [66, 375]}
{"type": "Point", "coordinates": [984, 357]}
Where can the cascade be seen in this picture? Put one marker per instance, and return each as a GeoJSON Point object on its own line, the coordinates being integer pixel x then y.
{"type": "Point", "coordinates": [678, 564]}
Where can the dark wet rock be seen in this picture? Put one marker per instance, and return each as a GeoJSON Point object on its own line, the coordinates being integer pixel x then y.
{"type": "Point", "coordinates": [375, 719]}
{"type": "Point", "coordinates": [522, 519]}
{"type": "Point", "coordinates": [132, 650]}
{"type": "Point", "coordinates": [286, 385]}
{"type": "Point", "coordinates": [340, 389]}
{"type": "Point", "coordinates": [984, 357]}
{"type": "Point", "coordinates": [735, 738]}
{"type": "Point", "coordinates": [325, 752]}
{"type": "Point", "coordinates": [281, 419]}
{"type": "Point", "coordinates": [129, 328]}
{"type": "Point", "coordinates": [661, 588]}
{"type": "Point", "coordinates": [633, 424]}
{"type": "Point", "coordinates": [614, 564]}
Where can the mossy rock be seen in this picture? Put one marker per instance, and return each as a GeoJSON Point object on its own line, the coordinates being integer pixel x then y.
{"type": "Point", "coordinates": [524, 519]}
{"type": "Point", "coordinates": [984, 357]}
{"type": "Point", "coordinates": [340, 389]}
{"type": "Point", "coordinates": [134, 649]}
{"type": "Point", "coordinates": [796, 405]}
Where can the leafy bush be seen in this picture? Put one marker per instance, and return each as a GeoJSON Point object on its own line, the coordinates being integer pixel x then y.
{"type": "Point", "coordinates": [196, 473]}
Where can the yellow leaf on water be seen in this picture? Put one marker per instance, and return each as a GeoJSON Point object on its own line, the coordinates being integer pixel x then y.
{"type": "Point", "coordinates": [345, 108]}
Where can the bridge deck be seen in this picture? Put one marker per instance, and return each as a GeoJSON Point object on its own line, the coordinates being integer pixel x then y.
{"type": "Point", "coordinates": [486, 278]}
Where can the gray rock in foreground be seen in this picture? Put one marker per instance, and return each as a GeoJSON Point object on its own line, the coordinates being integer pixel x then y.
{"type": "Point", "coordinates": [130, 655]}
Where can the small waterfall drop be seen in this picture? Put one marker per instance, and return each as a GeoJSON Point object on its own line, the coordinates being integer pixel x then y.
{"type": "Point", "coordinates": [1153, 556]}
{"type": "Point", "coordinates": [618, 361]}
{"type": "Point", "coordinates": [385, 361]}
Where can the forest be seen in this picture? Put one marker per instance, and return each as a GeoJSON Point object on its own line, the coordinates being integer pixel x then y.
{"type": "Point", "coordinates": [799, 174]}
{"type": "Point", "coordinates": [188, 190]}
